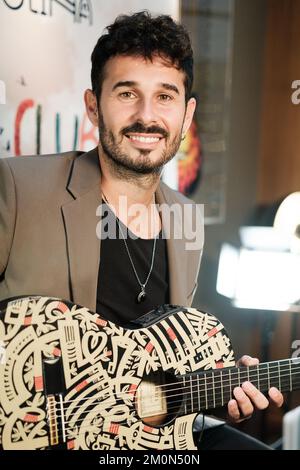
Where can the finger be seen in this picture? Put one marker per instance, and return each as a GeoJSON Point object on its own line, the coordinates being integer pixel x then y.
{"type": "Point", "coordinates": [276, 396]}
{"type": "Point", "coordinates": [243, 401]}
{"type": "Point", "coordinates": [233, 411]}
{"type": "Point", "coordinates": [248, 361]}
{"type": "Point", "coordinates": [257, 398]}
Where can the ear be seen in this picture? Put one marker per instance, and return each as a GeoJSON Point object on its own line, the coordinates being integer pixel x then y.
{"type": "Point", "coordinates": [189, 113]}
{"type": "Point", "coordinates": [91, 106]}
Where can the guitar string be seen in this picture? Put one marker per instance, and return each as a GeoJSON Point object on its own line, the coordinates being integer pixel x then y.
{"type": "Point", "coordinates": [186, 390]}
{"type": "Point", "coordinates": [210, 400]}
{"type": "Point", "coordinates": [188, 387]}
{"type": "Point", "coordinates": [290, 368]}
{"type": "Point", "coordinates": [210, 372]}
{"type": "Point", "coordinates": [93, 415]}
{"type": "Point", "coordinates": [68, 427]}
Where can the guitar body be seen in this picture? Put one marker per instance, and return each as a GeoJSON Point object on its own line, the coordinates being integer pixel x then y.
{"type": "Point", "coordinates": [70, 379]}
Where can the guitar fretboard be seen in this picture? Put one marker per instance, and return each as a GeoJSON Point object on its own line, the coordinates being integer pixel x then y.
{"type": "Point", "coordinates": [213, 388]}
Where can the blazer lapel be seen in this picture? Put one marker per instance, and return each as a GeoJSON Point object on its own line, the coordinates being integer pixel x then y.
{"type": "Point", "coordinates": [83, 245]}
{"type": "Point", "coordinates": [177, 258]}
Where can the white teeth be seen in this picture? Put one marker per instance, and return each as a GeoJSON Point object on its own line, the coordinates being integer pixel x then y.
{"type": "Point", "coordinates": [147, 140]}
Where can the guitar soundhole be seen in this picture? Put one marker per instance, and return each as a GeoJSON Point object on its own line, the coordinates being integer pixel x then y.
{"type": "Point", "coordinates": [159, 399]}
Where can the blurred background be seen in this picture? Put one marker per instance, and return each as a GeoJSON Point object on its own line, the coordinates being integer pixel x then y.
{"type": "Point", "coordinates": [241, 158]}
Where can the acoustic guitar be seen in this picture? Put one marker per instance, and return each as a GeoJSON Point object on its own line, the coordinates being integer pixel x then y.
{"type": "Point", "coordinates": [71, 379]}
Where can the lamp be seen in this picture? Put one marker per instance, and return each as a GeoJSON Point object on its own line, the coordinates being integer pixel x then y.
{"type": "Point", "coordinates": [259, 278]}
{"type": "Point", "coordinates": [287, 220]}
{"type": "Point", "coordinates": [263, 273]}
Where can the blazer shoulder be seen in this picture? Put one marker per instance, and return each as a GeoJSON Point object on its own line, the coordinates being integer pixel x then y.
{"type": "Point", "coordinates": [41, 169]}
{"type": "Point", "coordinates": [24, 162]}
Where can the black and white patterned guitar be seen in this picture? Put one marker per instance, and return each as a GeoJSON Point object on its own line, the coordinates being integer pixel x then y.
{"type": "Point", "coordinates": [70, 379]}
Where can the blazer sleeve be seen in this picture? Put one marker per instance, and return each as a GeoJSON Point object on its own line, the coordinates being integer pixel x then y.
{"type": "Point", "coordinates": [7, 212]}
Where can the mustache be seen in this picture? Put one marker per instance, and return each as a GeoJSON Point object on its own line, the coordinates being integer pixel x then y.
{"type": "Point", "coordinates": [139, 127]}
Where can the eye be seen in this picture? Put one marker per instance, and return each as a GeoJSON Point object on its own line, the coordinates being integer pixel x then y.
{"type": "Point", "coordinates": [165, 97]}
{"type": "Point", "coordinates": [127, 95]}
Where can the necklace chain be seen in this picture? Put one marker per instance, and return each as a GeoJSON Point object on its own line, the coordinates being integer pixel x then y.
{"type": "Point", "coordinates": [142, 295]}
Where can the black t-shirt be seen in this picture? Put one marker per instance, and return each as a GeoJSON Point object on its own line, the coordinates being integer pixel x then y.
{"type": "Point", "coordinates": [118, 287]}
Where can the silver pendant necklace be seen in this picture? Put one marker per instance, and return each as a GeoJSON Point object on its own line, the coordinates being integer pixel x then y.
{"type": "Point", "coordinates": [142, 294]}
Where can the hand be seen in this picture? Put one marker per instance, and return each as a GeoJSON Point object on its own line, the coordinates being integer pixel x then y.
{"type": "Point", "coordinates": [247, 398]}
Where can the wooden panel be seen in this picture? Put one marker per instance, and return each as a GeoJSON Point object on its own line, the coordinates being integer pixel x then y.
{"type": "Point", "coordinates": [279, 163]}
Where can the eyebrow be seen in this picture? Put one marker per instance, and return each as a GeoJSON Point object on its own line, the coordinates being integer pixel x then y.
{"type": "Point", "coordinates": [130, 83]}
{"type": "Point", "coordinates": [170, 87]}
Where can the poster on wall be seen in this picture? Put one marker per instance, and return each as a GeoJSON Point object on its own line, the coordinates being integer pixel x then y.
{"type": "Point", "coordinates": [45, 67]}
{"type": "Point", "coordinates": [210, 23]}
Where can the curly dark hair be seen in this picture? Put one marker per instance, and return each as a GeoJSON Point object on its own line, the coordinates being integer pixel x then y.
{"type": "Point", "coordinates": [141, 34]}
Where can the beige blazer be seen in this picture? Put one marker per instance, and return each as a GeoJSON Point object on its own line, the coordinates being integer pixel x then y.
{"type": "Point", "coordinates": [48, 242]}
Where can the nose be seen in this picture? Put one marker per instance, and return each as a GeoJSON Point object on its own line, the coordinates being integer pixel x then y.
{"type": "Point", "coordinates": [146, 112]}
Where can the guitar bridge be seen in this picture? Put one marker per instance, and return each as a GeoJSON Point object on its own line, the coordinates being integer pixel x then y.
{"type": "Point", "coordinates": [56, 422]}
{"type": "Point", "coordinates": [55, 387]}
{"type": "Point", "coordinates": [151, 400]}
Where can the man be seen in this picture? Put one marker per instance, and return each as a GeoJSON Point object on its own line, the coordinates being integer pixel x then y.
{"type": "Point", "coordinates": [141, 102]}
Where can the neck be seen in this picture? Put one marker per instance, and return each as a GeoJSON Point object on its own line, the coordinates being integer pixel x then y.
{"type": "Point", "coordinates": [116, 181]}
{"type": "Point", "coordinates": [131, 199]}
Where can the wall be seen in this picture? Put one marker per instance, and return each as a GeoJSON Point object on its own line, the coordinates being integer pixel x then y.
{"type": "Point", "coordinates": [279, 149]}
{"type": "Point", "coordinates": [45, 64]}
{"type": "Point", "coordinates": [279, 167]}
{"type": "Point", "coordinates": [242, 154]}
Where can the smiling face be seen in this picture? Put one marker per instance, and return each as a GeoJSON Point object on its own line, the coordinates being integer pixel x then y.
{"type": "Point", "coordinates": [142, 112]}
